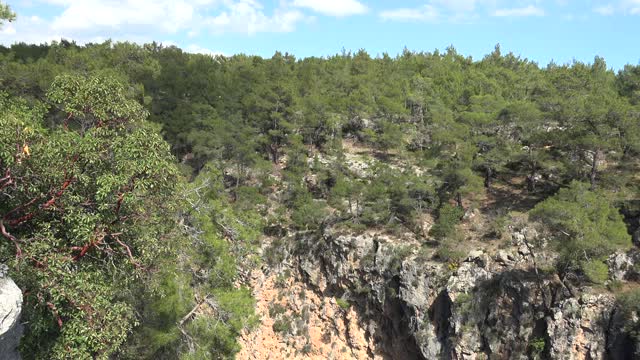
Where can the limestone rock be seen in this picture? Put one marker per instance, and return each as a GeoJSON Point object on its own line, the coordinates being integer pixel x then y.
{"type": "Point", "coordinates": [576, 328]}
{"type": "Point", "coordinates": [491, 305]}
{"type": "Point", "coordinates": [478, 257]}
{"type": "Point", "coordinates": [10, 310]}
{"type": "Point", "coordinates": [504, 258]}
{"type": "Point", "coordinates": [620, 265]}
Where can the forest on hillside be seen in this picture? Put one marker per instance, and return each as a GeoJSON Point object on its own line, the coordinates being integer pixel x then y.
{"type": "Point", "coordinates": [137, 181]}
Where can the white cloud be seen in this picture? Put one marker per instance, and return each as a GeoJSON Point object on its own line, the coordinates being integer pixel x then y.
{"type": "Point", "coordinates": [605, 10]}
{"type": "Point", "coordinates": [519, 12]}
{"type": "Point", "coordinates": [631, 6]}
{"type": "Point", "coordinates": [333, 7]}
{"type": "Point", "coordinates": [7, 29]}
{"type": "Point", "coordinates": [197, 49]}
{"type": "Point", "coordinates": [147, 20]}
{"type": "Point", "coordinates": [247, 16]}
{"type": "Point", "coordinates": [458, 6]}
{"type": "Point", "coordinates": [426, 13]}
{"type": "Point", "coordinates": [30, 30]}
{"type": "Point", "coordinates": [164, 15]}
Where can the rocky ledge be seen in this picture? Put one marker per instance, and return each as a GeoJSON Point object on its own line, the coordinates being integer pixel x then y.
{"type": "Point", "coordinates": [495, 304]}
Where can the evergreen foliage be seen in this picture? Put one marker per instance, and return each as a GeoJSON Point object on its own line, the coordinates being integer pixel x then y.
{"type": "Point", "coordinates": [586, 227]}
{"type": "Point", "coordinates": [136, 181]}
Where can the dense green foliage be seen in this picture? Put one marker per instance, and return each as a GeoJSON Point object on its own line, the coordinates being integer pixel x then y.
{"type": "Point", "coordinates": [84, 209]}
{"type": "Point", "coordinates": [117, 238]}
{"type": "Point", "coordinates": [448, 217]}
{"type": "Point", "coordinates": [587, 228]}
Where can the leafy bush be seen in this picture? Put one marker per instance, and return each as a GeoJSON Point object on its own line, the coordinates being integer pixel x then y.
{"type": "Point", "coordinates": [308, 214]}
{"type": "Point", "coordinates": [596, 271]}
{"type": "Point", "coordinates": [343, 303]}
{"type": "Point", "coordinates": [448, 217]}
{"type": "Point", "coordinates": [276, 309]}
{"type": "Point", "coordinates": [282, 325]}
{"type": "Point", "coordinates": [615, 285]}
{"type": "Point", "coordinates": [216, 334]}
{"type": "Point", "coordinates": [446, 253]}
{"type": "Point", "coordinates": [584, 225]}
{"type": "Point", "coordinates": [537, 346]}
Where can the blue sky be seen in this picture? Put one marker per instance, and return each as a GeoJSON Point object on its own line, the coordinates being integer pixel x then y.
{"type": "Point", "coordinates": [541, 30]}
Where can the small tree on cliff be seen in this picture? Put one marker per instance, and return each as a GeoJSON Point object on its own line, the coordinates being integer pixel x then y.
{"type": "Point", "coordinates": [585, 227]}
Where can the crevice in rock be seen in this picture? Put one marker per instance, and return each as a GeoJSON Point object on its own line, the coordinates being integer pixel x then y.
{"type": "Point", "coordinates": [398, 339]}
{"type": "Point", "coordinates": [619, 344]}
{"type": "Point", "coordinates": [440, 316]}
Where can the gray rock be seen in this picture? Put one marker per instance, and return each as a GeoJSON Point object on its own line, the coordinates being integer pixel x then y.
{"type": "Point", "coordinates": [475, 254]}
{"type": "Point", "coordinates": [621, 265]}
{"type": "Point", "coordinates": [492, 305]}
{"type": "Point", "coordinates": [478, 257]}
{"type": "Point", "coordinates": [10, 310]}
{"type": "Point", "coordinates": [504, 258]}
{"type": "Point", "coordinates": [576, 328]}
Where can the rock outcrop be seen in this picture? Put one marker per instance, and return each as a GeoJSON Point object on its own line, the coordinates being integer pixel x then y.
{"type": "Point", "coordinates": [501, 305]}
{"type": "Point", "coordinates": [10, 310]}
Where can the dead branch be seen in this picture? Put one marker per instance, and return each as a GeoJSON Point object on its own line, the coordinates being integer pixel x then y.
{"type": "Point", "coordinates": [193, 311]}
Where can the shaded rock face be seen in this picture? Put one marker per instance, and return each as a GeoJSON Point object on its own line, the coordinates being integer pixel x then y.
{"type": "Point", "coordinates": [10, 310]}
{"type": "Point", "coordinates": [490, 306]}
{"type": "Point", "coordinates": [622, 266]}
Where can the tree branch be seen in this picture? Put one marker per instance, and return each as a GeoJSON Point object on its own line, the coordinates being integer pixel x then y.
{"type": "Point", "coordinates": [128, 249]}
{"type": "Point", "coordinates": [13, 239]}
{"type": "Point", "coordinates": [55, 313]}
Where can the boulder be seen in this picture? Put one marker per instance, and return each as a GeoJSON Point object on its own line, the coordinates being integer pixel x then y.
{"type": "Point", "coordinates": [10, 310]}
{"type": "Point", "coordinates": [621, 266]}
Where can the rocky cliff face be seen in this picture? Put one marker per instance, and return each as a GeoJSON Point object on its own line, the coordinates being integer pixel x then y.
{"type": "Point", "coordinates": [10, 310]}
{"type": "Point", "coordinates": [495, 304]}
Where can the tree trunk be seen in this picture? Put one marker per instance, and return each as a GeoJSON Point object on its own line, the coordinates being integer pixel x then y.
{"type": "Point", "coordinates": [531, 183]}
{"type": "Point", "coordinates": [594, 169]}
{"type": "Point", "coordinates": [531, 178]}
{"type": "Point", "coordinates": [488, 175]}
{"type": "Point", "coordinates": [459, 200]}
{"type": "Point", "coordinates": [273, 148]}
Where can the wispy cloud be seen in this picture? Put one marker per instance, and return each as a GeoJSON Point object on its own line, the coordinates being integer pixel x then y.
{"type": "Point", "coordinates": [248, 16]}
{"type": "Point", "coordinates": [605, 10]}
{"type": "Point", "coordinates": [426, 13]}
{"type": "Point", "coordinates": [459, 6]}
{"type": "Point", "coordinates": [530, 10]}
{"type": "Point", "coordinates": [333, 7]}
{"type": "Point", "coordinates": [435, 10]}
{"type": "Point", "coordinates": [631, 6]}
{"type": "Point", "coordinates": [460, 11]}
{"type": "Point", "coordinates": [628, 7]}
